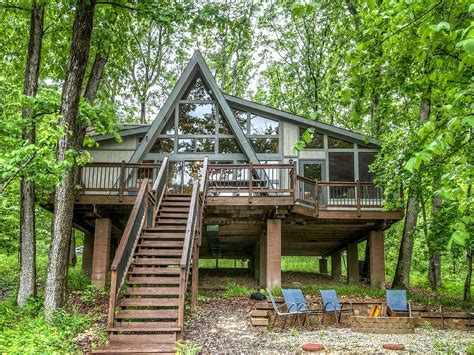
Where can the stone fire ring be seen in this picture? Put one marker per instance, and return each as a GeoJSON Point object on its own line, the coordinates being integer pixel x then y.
{"type": "Point", "coordinates": [394, 346]}
{"type": "Point", "coordinates": [312, 347]}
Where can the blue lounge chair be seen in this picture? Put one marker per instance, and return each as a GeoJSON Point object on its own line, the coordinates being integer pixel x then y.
{"type": "Point", "coordinates": [297, 304]}
{"type": "Point", "coordinates": [397, 302]}
{"type": "Point", "coordinates": [279, 310]}
{"type": "Point", "coordinates": [331, 304]}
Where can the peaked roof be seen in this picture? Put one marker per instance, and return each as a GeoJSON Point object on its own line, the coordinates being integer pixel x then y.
{"type": "Point", "coordinates": [195, 65]}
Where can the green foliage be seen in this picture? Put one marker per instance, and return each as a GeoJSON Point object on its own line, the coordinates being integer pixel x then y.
{"type": "Point", "coordinates": [236, 290]}
{"type": "Point", "coordinates": [187, 348]}
{"type": "Point", "coordinates": [24, 330]}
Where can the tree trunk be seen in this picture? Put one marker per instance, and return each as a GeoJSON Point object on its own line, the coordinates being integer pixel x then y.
{"type": "Point", "coordinates": [27, 282]}
{"type": "Point", "coordinates": [434, 269]}
{"type": "Point", "coordinates": [72, 249]}
{"type": "Point", "coordinates": [402, 272]}
{"type": "Point", "coordinates": [65, 191]}
{"type": "Point", "coordinates": [142, 111]}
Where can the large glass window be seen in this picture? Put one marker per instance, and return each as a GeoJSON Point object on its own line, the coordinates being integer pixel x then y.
{"type": "Point", "coordinates": [339, 143]}
{"type": "Point", "coordinates": [317, 140]}
{"type": "Point", "coordinates": [224, 127]}
{"type": "Point", "coordinates": [265, 145]}
{"type": "Point", "coordinates": [262, 126]}
{"type": "Point", "coordinates": [169, 127]}
{"type": "Point", "coordinates": [241, 117]}
{"type": "Point", "coordinates": [197, 119]}
{"type": "Point", "coordinates": [229, 145]}
{"type": "Point", "coordinates": [196, 145]}
{"type": "Point", "coordinates": [197, 91]}
{"type": "Point", "coordinates": [341, 166]}
{"type": "Point", "coordinates": [365, 159]}
{"type": "Point", "coordinates": [163, 145]}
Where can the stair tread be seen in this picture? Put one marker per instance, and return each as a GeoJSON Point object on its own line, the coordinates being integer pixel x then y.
{"type": "Point", "coordinates": [148, 302]}
{"type": "Point", "coordinates": [147, 314]}
{"type": "Point", "coordinates": [166, 221]}
{"type": "Point", "coordinates": [161, 244]}
{"type": "Point", "coordinates": [120, 348]}
{"type": "Point", "coordinates": [169, 235]}
{"type": "Point", "coordinates": [152, 291]}
{"type": "Point", "coordinates": [158, 252]}
{"type": "Point", "coordinates": [150, 280]}
{"type": "Point", "coordinates": [173, 214]}
{"type": "Point", "coordinates": [157, 261]}
{"type": "Point", "coordinates": [165, 227]}
{"type": "Point", "coordinates": [150, 328]}
{"type": "Point", "coordinates": [154, 271]}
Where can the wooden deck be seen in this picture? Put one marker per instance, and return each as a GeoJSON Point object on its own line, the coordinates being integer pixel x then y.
{"type": "Point", "coordinates": [317, 216]}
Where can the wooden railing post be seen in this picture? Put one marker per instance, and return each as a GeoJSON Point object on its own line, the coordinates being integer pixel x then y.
{"type": "Point", "coordinates": [316, 196]}
{"type": "Point", "coordinates": [250, 182]}
{"type": "Point", "coordinates": [293, 180]}
{"type": "Point", "coordinates": [122, 180]}
{"type": "Point", "coordinates": [358, 197]}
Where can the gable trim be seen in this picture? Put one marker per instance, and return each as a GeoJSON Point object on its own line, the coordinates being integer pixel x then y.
{"type": "Point", "coordinates": [196, 64]}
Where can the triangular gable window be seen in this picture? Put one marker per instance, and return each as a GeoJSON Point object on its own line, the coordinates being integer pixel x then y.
{"type": "Point", "coordinates": [168, 129]}
{"type": "Point", "coordinates": [197, 91]}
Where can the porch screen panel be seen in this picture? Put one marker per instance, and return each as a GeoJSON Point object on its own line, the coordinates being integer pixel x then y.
{"type": "Point", "coordinates": [341, 168]}
{"type": "Point", "coordinates": [365, 159]}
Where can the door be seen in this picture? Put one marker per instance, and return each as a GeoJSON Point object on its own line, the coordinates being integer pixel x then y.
{"type": "Point", "coordinates": [312, 170]}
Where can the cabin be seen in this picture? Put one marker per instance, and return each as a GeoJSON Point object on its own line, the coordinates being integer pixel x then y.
{"type": "Point", "coordinates": [217, 177]}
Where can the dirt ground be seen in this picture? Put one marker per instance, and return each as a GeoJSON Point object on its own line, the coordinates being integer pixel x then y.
{"type": "Point", "coordinates": [222, 326]}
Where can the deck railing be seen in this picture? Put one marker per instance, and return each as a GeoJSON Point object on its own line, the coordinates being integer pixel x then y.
{"type": "Point", "coordinates": [333, 194]}
{"type": "Point", "coordinates": [250, 180]}
{"type": "Point", "coordinates": [115, 178]}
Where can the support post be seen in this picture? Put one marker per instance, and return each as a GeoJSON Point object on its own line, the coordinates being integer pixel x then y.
{"type": "Point", "coordinates": [323, 266]}
{"type": "Point", "coordinates": [257, 261]}
{"type": "Point", "coordinates": [195, 279]}
{"type": "Point", "coordinates": [352, 263]}
{"type": "Point", "coordinates": [87, 252]}
{"type": "Point", "coordinates": [336, 265]}
{"type": "Point", "coordinates": [100, 260]}
{"type": "Point", "coordinates": [273, 274]}
{"type": "Point", "coordinates": [377, 259]}
{"type": "Point", "coordinates": [263, 260]}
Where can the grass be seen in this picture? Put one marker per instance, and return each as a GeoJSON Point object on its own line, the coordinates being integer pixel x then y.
{"type": "Point", "coordinates": [236, 290]}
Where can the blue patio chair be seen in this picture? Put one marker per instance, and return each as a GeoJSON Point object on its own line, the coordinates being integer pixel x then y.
{"type": "Point", "coordinates": [279, 310]}
{"type": "Point", "coordinates": [397, 302]}
{"type": "Point", "coordinates": [297, 304]}
{"type": "Point", "coordinates": [331, 304]}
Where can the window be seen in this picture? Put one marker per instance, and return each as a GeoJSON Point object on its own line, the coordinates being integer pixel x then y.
{"type": "Point", "coordinates": [229, 145]}
{"type": "Point", "coordinates": [317, 140]}
{"type": "Point", "coordinates": [169, 127]}
{"type": "Point", "coordinates": [262, 126]}
{"type": "Point", "coordinates": [265, 145]}
{"type": "Point", "coordinates": [196, 145]}
{"type": "Point", "coordinates": [197, 91]}
{"type": "Point", "coordinates": [197, 119]}
{"type": "Point", "coordinates": [341, 166]}
{"type": "Point", "coordinates": [186, 145]}
{"type": "Point", "coordinates": [339, 143]}
{"type": "Point", "coordinates": [365, 159]}
{"type": "Point", "coordinates": [241, 117]}
{"type": "Point", "coordinates": [163, 145]}
{"type": "Point", "coordinates": [224, 127]}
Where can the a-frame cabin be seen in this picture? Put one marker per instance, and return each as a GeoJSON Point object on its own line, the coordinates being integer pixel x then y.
{"type": "Point", "coordinates": [216, 176]}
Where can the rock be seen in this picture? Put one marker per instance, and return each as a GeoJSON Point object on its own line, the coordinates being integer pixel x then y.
{"type": "Point", "coordinates": [394, 346]}
{"type": "Point", "coordinates": [312, 347]}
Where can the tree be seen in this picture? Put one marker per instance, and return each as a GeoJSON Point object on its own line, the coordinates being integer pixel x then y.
{"type": "Point", "coordinates": [27, 284]}
{"type": "Point", "coordinates": [65, 154]}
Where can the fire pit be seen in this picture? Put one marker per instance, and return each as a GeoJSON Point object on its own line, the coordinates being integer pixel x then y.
{"type": "Point", "coordinates": [383, 325]}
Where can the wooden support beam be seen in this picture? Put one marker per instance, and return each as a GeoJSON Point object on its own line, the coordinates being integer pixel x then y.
{"type": "Point", "coordinates": [273, 269]}
{"type": "Point", "coordinates": [87, 253]}
{"type": "Point", "coordinates": [323, 266]}
{"type": "Point", "coordinates": [377, 259]}
{"type": "Point", "coordinates": [352, 263]}
{"type": "Point", "coordinates": [263, 260]}
{"type": "Point", "coordinates": [336, 265]}
{"type": "Point", "coordinates": [101, 254]}
{"type": "Point", "coordinates": [195, 279]}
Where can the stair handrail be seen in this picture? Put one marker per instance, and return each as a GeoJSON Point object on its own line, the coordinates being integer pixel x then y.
{"type": "Point", "coordinates": [188, 246]}
{"type": "Point", "coordinates": [204, 177]}
{"type": "Point", "coordinates": [160, 185]}
{"type": "Point", "coordinates": [124, 254]}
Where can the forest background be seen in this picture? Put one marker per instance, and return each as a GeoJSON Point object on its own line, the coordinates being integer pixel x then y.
{"type": "Point", "coordinates": [397, 71]}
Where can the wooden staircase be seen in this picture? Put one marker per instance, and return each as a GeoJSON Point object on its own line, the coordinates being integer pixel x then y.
{"type": "Point", "coordinates": [150, 271]}
{"type": "Point", "coordinates": [147, 313]}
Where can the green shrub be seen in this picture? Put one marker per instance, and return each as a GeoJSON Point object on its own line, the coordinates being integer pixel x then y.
{"type": "Point", "coordinates": [236, 290]}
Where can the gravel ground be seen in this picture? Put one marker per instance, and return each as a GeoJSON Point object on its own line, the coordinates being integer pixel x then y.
{"type": "Point", "coordinates": [221, 326]}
